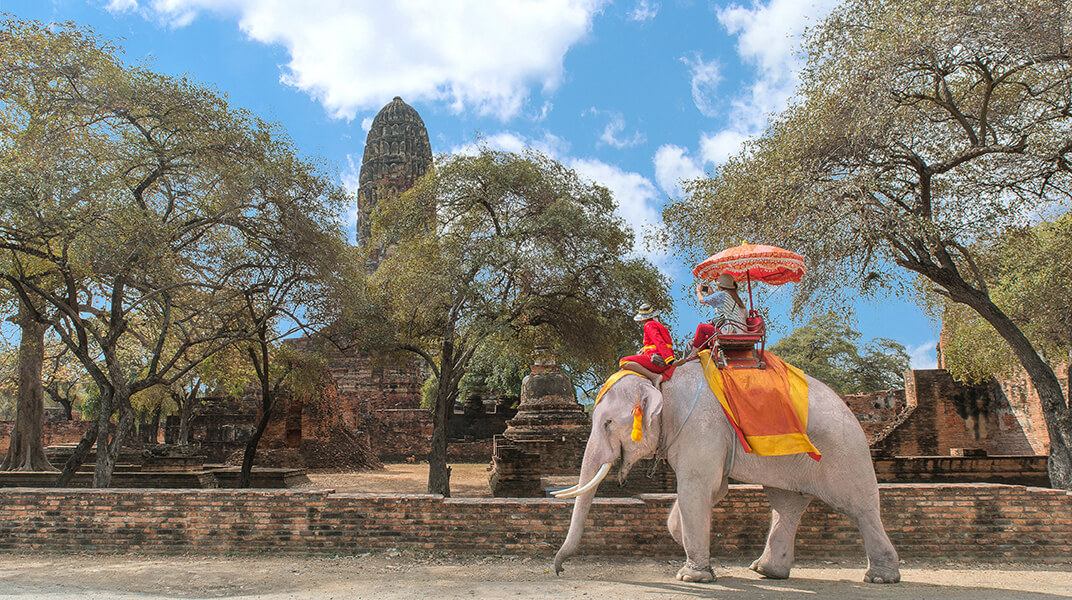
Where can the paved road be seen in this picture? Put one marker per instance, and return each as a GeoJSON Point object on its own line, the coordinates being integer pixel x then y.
{"type": "Point", "coordinates": [404, 575]}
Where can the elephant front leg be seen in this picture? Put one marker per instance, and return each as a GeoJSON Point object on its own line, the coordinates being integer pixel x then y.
{"type": "Point", "coordinates": [694, 502]}
{"type": "Point", "coordinates": [786, 510]}
{"type": "Point", "coordinates": [673, 523]}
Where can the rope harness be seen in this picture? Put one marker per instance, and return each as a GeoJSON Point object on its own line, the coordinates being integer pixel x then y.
{"type": "Point", "coordinates": [664, 449]}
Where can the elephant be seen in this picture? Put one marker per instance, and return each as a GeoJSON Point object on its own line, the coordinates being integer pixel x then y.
{"type": "Point", "coordinates": [704, 453]}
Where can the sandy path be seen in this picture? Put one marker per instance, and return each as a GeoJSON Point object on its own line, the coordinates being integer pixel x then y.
{"type": "Point", "coordinates": [398, 575]}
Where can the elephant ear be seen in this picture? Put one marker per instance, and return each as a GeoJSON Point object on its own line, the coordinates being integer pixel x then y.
{"type": "Point", "coordinates": [652, 403]}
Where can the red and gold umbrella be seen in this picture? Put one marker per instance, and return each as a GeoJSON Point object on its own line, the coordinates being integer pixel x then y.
{"type": "Point", "coordinates": [754, 262]}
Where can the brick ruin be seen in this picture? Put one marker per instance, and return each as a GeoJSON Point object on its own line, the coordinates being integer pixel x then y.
{"type": "Point", "coordinates": [546, 437]}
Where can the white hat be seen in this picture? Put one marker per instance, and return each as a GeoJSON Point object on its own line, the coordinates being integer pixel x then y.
{"type": "Point", "coordinates": [725, 281]}
{"type": "Point", "coordinates": [645, 312]}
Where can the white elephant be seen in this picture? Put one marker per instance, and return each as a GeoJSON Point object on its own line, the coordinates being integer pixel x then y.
{"type": "Point", "coordinates": [704, 452]}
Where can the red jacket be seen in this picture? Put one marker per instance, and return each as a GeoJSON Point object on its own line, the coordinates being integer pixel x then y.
{"type": "Point", "coordinates": [657, 340]}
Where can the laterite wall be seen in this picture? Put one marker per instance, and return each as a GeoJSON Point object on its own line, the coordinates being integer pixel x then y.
{"type": "Point", "coordinates": [936, 521]}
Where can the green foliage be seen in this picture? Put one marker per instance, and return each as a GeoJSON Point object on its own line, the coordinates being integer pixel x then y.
{"type": "Point", "coordinates": [162, 212]}
{"type": "Point", "coordinates": [920, 128]}
{"type": "Point", "coordinates": [300, 372]}
{"type": "Point", "coordinates": [1029, 275]}
{"type": "Point", "coordinates": [150, 401]}
{"type": "Point", "coordinates": [155, 223]}
{"type": "Point", "coordinates": [495, 253]}
{"type": "Point", "coordinates": [500, 252]}
{"type": "Point", "coordinates": [826, 348]}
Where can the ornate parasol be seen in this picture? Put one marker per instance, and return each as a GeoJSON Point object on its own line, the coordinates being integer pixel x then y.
{"type": "Point", "coordinates": [748, 262]}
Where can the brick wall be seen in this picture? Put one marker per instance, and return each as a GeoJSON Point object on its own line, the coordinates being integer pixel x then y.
{"type": "Point", "coordinates": [875, 410]}
{"type": "Point", "coordinates": [1020, 409]}
{"type": "Point", "coordinates": [934, 522]}
{"type": "Point", "coordinates": [56, 432]}
{"type": "Point", "coordinates": [942, 414]}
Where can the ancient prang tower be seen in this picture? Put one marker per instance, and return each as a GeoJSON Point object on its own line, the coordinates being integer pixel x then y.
{"type": "Point", "coordinates": [397, 153]}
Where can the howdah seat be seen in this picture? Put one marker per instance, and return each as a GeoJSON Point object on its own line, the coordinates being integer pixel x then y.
{"type": "Point", "coordinates": [738, 350]}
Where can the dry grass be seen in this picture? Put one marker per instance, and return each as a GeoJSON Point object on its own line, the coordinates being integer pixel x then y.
{"type": "Point", "coordinates": [466, 480]}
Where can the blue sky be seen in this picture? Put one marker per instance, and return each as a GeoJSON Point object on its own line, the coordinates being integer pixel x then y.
{"type": "Point", "coordinates": [634, 94]}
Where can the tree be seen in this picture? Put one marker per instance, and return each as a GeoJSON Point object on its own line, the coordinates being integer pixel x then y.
{"type": "Point", "coordinates": [920, 130]}
{"type": "Point", "coordinates": [140, 193]}
{"type": "Point", "coordinates": [293, 265]}
{"type": "Point", "coordinates": [150, 405]}
{"type": "Point", "coordinates": [826, 348]}
{"type": "Point", "coordinates": [64, 378]}
{"type": "Point", "coordinates": [26, 451]}
{"type": "Point", "coordinates": [1029, 274]}
{"type": "Point", "coordinates": [497, 250]}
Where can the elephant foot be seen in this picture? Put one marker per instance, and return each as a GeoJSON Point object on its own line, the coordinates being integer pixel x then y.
{"type": "Point", "coordinates": [766, 569]}
{"type": "Point", "coordinates": [691, 572]}
{"type": "Point", "coordinates": [882, 575]}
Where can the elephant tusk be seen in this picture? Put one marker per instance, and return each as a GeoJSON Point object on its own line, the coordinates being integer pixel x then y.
{"type": "Point", "coordinates": [558, 493]}
{"type": "Point", "coordinates": [603, 470]}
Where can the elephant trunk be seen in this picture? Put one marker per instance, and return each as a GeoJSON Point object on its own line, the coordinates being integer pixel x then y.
{"type": "Point", "coordinates": [589, 469]}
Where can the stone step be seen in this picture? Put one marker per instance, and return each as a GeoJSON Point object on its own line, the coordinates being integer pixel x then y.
{"type": "Point", "coordinates": [138, 479]}
{"type": "Point", "coordinates": [261, 477]}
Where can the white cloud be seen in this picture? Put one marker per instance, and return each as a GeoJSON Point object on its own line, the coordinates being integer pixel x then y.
{"type": "Point", "coordinates": [644, 11]}
{"type": "Point", "coordinates": [351, 182]}
{"type": "Point", "coordinates": [354, 55]}
{"type": "Point", "coordinates": [612, 133]}
{"type": "Point", "coordinates": [545, 110]}
{"type": "Point", "coordinates": [508, 141]}
{"type": "Point", "coordinates": [120, 6]}
{"type": "Point", "coordinates": [768, 37]}
{"type": "Point", "coordinates": [672, 165]}
{"type": "Point", "coordinates": [704, 77]}
{"type": "Point", "coordinates": [636, 195]}
{"type": "Point", "coordinates": [923, 356]}
{"type": "Point", "coordinates": [716, 148]}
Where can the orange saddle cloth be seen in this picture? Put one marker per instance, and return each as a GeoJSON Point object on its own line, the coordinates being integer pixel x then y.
{"type": "Point", "coordinates": [767, 407]}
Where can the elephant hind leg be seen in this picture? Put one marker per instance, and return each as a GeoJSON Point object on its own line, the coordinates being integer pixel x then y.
{"type": "Point", "coordinates": [883, 564]}
{"type": "Point", "coordinates": [786, 510]}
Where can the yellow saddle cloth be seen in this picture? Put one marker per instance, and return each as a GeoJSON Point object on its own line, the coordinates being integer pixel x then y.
{"type": "Point", "coordinates": [611, 381]}
{"type": "Point", "coordinates": [767, 407]}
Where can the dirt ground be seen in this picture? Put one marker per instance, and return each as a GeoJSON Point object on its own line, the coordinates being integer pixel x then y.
{"type": "Point", "coordinates": [403, 574]}
{"type": "Point", "coordinates": [466, 480]}
{"type": "Point", "coordinates": [395, 575]}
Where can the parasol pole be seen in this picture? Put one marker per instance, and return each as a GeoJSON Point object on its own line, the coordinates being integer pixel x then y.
{"type": "Point", "coordinates": [749, 276]}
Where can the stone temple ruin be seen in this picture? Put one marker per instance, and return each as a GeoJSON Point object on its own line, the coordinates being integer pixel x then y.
{"type": "Point", "coordinates": [397, 154]}
{"type": "Point", "coordinates": [933, 430]}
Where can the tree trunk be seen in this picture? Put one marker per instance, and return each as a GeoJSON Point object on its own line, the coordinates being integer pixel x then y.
{"type": "Point", "coordinates": [245, 477]}
{"type": "Point", "coordinates": [154, 427]}
{"type": "Point", "coordinates": [1054, 404]}
{"type": "Point", "coordinates": [65, 402]}
{"type": "Point", "coordinates": [77, 457]}
{"type": "Point", "coordinates": [26, 451]}
{"type": "Point", "coordinates": [108, 449]}
{"type": "Point", "coordinates": [438, 471]}
{"type": "Point", "coordinates": [186, 413]}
